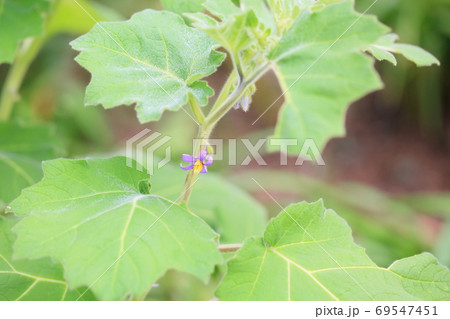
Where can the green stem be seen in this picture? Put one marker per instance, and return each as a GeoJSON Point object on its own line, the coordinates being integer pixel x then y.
{"type": "Point", "coordinates": [217, 112]}
{"type": "Point", "coordinates": [239, 67]}
{"type": "Point", "coordinates": [196, 110]}
{"type": "Point", "coordinates": [202, 139]}
{"type": "Point", "coordinates": [25, 54]}
{"type": "Point", "coordinates": [225, 92]}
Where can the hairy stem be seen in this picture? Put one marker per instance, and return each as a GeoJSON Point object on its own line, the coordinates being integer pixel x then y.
{"type": "Point", "coordinates": [196, 110]}
{"type": "Point", "coordinates": [217, 112]}
{"type": "Point", "coordinates": [202, 139]}
{"type": "Point", "coordinates": [225, 92]}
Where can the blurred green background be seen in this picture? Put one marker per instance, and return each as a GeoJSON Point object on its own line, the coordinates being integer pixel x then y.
{"type": "Point", "coordinates": [389, 177]}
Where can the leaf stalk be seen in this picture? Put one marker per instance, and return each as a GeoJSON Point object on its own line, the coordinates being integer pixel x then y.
{"type": "Point", "coordinates": [196, 110]}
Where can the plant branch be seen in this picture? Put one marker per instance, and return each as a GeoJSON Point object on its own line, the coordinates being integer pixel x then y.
{"type": "Point", "coordinates": [237, 65]}
{"type": "Point", "coordinates": [202, 139]}
{"type": "Point", "coordinates": [207, 124]}
{"type": "Point", "coordinates": [215, 116]}
{"type": "Point", "coordinates": [25, 54]}
{"type": "Point", "coordinates": [232, 79]}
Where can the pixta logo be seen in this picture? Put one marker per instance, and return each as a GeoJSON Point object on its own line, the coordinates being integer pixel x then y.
{"type": "Point", "coordinates": [140, 150]}
{"type": "Point", "coordinates": [306, 151]}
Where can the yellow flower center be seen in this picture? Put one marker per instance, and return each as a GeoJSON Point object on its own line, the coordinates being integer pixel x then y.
{"type": "Point", "coordinates": [198, 166]}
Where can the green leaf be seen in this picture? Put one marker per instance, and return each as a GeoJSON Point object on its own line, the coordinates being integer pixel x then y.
{"type": "Point", "coordinates": [308, 253]}
{"type": "Point", "coordinates": [321, 71]}
{"type": "Point", "coordinates": [383, 225]}
{"type": "Point", "coordinates": [383, 48]}
{"type": "Point", "coordinates": [423, 277]}
{"type": "Point", "coordinates": [153, 60]}
{"type": "Point", "coordinates": [229, 210]}
{"type": "Point", "coordinates": [90, 215]}
{"type": "Point", "coordinates": [239, 30]}
{"type": "Point", "coordinates": [232, 33]}
{"type": "Point", "coordinates": [183, 6]}
{"type": "Point", "coordinates": [19, 19]}
{"type": "Point", "coordinates": [21, 151]}
{"type": "Point", "coordinates": [382, 55]}
{"type": "Point", "coordinates": [30, 280]}
{"type": "Point", "coordinates": [285, 12]}
{"type": "Point", "coordinates": [262, 12]}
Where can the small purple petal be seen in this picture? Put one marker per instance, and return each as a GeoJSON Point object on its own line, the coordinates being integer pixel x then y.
{"type": "Point", "coordinates": [187, 167]}
{"type": "Point", "coordinates": [188, 158]}
{"type": "Point", "coordinates": [209, 160]}
{"type": "Point", "coordinates": [202, 155]}
{"type": "Point", "coordinates": [204, 169]}
{"type": "Point", "coordinates": [245, 103]}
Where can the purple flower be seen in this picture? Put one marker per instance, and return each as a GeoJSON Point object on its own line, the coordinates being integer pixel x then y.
{"type": "Point", "coordinates": [199, 163]}
{"type": "Point", "coordinates": [243, 103]}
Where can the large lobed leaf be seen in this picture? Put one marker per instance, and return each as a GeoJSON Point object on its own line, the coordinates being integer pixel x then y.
{"type": "Point", "coordinates": [19, 19]}
{"type": "Point", "coordinates": [322, 70]}
{"type": "Point", "coordinates": [91, 216]}
{"type": "Point", "coordinates": [153, 60]}
{"type": "Point", "coordinates": [30, 280]}
{"type": "Point", "coordinates": [308, 253]}
{"type": "Point", "coordinates": [21, 152]}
